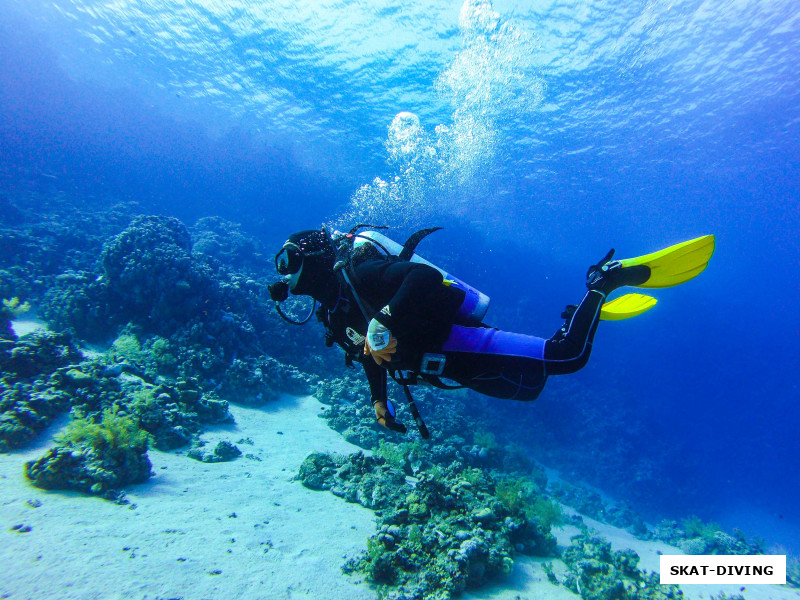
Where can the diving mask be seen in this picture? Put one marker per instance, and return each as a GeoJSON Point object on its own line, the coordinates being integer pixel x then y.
{"type": "Point", "coordinates": [289, 260]}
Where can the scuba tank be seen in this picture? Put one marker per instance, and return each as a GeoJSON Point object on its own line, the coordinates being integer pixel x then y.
{"type": "Point", "coordinates": [476, 303]}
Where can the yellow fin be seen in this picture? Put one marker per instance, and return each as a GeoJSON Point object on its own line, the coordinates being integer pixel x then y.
{"type": "Point", "coordinates": [676, 264]}
{"type": "Point", "coordinates": [627, 306]}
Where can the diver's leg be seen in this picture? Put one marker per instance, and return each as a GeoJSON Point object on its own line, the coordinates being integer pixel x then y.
{"type": "Point", "coordinates": [569, 349]}
{"type": "Point", "coordinates": [499, 376]}
{"type": "Point", "coordinates": [497, 363]}
{"type": "Point", "coordinates": [516, 366]}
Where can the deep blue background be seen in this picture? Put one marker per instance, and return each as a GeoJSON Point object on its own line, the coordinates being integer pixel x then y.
{"type": "Point", "coordinates": [711, 373]}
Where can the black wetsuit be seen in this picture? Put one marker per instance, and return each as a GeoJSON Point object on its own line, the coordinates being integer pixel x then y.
{"type": "Point", "coordinates": [422, 316]}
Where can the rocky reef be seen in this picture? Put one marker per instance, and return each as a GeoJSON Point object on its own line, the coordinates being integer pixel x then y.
{"type": "Point", "coordinates": [9, 309]}
{"type": "Point", "coordinates": [198, 297]}
{"type": "Point", "coordinates": [117, 414]}
{"type": "Point", "coordinates": [224, 451]}
{"type": "Point", "coordinates": [34, 385]}
{"type": "Point", "coordinates": [444, 532]}
{"type": "Point", "coordinates": [590, 503]}
{"type": "Point", "coordinates": [598, 573]}
{"type": "Point", "coordinates": [186, 322]}
{"type": "Point", "coordinates": [694, 536]}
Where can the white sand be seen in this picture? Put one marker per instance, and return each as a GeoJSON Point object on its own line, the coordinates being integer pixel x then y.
{"type": "Point", "coordinates": [182, 539]}
{"type": "Point", "coordinates": [23, 327]}
{"type": "Point", "coordinates": [285, 541]}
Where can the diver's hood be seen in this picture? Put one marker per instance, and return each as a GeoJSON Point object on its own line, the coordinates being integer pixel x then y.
{"type": "Point", "coordinates": [310, 259]}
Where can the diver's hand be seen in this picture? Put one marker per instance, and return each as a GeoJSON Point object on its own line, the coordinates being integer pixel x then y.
{"type": "Point", "coordinates": [381, 355]}
{"type": "Point", "coordinates": [380, 344]}
{"type": "Point", "coordinates": [385, 413]}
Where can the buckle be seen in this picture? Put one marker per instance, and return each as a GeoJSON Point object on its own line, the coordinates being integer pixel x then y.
{"type": "Point", "coordinates": [432, 364]}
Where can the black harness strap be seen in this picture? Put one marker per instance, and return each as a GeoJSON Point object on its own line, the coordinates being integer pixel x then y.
{"type": "Point", "coordinates": [366, 310]}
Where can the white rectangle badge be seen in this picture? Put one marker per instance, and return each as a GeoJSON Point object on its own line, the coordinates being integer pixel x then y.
{"type": "Point", "coordinates": [723, 568]}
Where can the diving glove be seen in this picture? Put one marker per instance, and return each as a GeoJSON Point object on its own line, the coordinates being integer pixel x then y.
{"type": "Point", "coordinates": [385, 414]}
{"type": "Point", "coordinates": [379, 343]}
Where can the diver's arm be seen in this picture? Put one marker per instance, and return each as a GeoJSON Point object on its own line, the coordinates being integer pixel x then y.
{"type": "Point", "coordinates": [413, 307]}
{"type": "Point", "coordinates": [384, 410]}
{"type": "Point", "coordinates": [376, 377]}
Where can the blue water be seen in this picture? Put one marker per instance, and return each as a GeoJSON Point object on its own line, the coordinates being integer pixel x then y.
{"type": "Point", "coordinates": [538, 133]}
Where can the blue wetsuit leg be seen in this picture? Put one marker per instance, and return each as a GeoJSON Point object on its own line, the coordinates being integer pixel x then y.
{"type": "Point", "coordinates": [516, 366]}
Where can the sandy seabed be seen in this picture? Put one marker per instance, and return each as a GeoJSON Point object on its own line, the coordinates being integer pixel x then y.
{"type": "Point", "coordinates": [245, 529]}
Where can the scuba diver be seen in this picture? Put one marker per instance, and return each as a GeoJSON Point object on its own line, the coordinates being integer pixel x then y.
{"type": "Point", "coordinates": [400, 316]}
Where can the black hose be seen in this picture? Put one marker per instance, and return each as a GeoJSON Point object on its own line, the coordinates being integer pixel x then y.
{"type": "Point", "coordinates": [423, 429]}
{"type": "Point", "coordinates": [292, 321]}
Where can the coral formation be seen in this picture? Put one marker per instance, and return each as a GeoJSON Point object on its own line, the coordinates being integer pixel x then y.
{"type": "Point", "coordinates": [521, 496]}
{"type": "Point", "coordinates": [368, 481]}
{"type": "Point", "coordinates": [598, 573]}
{"type": "Point", "coordinates": [50, 258]}
{"type": "Point", "coordinates": [445, 534]}
{"type": "Point", "coordinates": [793, 571]}
{"type": "Point", "coordinates": [591, 504]}
{"type": "Point", "coordinates": [694, 536]}
{"type": "Point", "coordinates": [172, 414]}
{"type": "Point", "coordinates": [9, 310]}
{"type": "Point", "coordinates": [37, 354]}
{"type": "Point", "coordinates": [227, 243]}
{"type": "Point", "coordinates": [173, 313]}
{"type": "Point", "coordinates": [224, 451]}
{"type": "Point", "coordinates": [24, 411]}
{"type": "Point", "coordinates": [255, 381]}
{"type": "Point", "coordinates": [151, 276]}
{"type": "Point", "coordinates": [94, 456]}
{"type": "Point", "coordinates": [197, 307]}
{"type": "Point", "coordinates": [33, 374]}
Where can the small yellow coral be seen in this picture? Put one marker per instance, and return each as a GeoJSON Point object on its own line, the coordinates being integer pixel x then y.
{"type": "Point", "coordinates": [519, 496]}
{"type": "Point", "coordinates": [127, 347]}
{"type": "Point", "coordinates": [113, 432]}
{"type": "Point", "coordinates": [12, 307]}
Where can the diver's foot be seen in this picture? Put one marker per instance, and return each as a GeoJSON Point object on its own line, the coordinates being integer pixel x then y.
{"type": "Point", "coordinates": [609, 275]}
